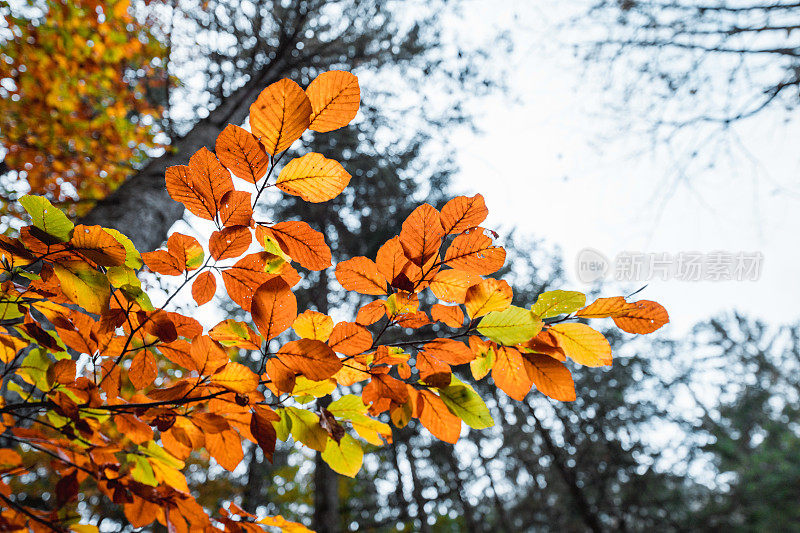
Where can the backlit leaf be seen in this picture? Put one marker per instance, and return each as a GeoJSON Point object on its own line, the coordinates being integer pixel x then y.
{"type": "Point", "coordinates": [451, 315]}
{"type": "Point", "coordinates": [236, 377]}
{"type": "Point", "coordinates": [47, 218]}
{"type": "Point", "coordinates": [509, 373]}
{"type": "Point", "coordinates": [554, 303]}
{"type": "Point", "coordinates": [646, 317]}
{"type": "Point", "coordinates": [583, 344]}
{"type": "Point", "coordinates": [344, 457]}
{"type": "Point", "coordinates": [349, 338]}
{"type": "Point", "coordinates": [274, 308]}
{"type": "Point", "coordinates": [335, 97]}
{"type": "Point", "coordinates": [314, 359]}
{"type": "Point", "coordinates": [235, 209]}
{"type": "Point", "coordinates": [437, 418]}
{"type": "Point", "coordinates": [229, 242]}
{"type": "Point", "coordinates": [361, 275]}
{"type": "Point", "coordinates": [462, 213]}
{"type": "Point", "coordinates": [203, 288]}
{"type": "Point", "coordinates": [550, 377]}
{"type": "Point", "coordinates": [242, 154]}
{"type": "Point", "coordinates": [94, 243]}
{"type": "Point", "coordinates": [451, 285]}
{"type": "Point", "coordinates": [487, 296]}
{"type": "Point", "coordinates": [313, 325]}
{"type": "Point", "coordinates": [473, 251]}
{"type": "Point", "coordinates": [143, 369]}
{"type": "Point", "coordinates": [303, 244]}
{"type": "Point", "coordinates": [313, 178]}
{"type": "Point", "coordinates": [280, 115]}
{"type": "Point", "coordinates": [421, 235]}
{"type": "Point", "coordinates": [466, 404]}
{"type": "Point", "coordinates": [510, 326]}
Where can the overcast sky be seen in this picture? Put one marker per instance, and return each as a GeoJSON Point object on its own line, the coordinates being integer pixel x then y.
{"type": "Point", "coordinates": [544, 167]}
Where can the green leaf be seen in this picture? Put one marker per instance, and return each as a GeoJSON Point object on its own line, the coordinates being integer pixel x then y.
{"type": "Point", "coordinates": [345, 457]}
{"type": "Point", "coordinates": [306, 428]}
{"type": "Point", "coordinates": [157, 452]}
{"type": "Point", "coordinates": [351, 408]}
{"type": "Point", "coordinates": [141, 470]}
{"type": "Point", "coordinates": [132, 257]}
{"type": "Point", "coordinates": [47, 218]}
{"type": "Point", "coordinates": [283, 426]}
{"type": "Point", "coordinates": [554, 303]}
{"type": "Point", "coordinates": [466, 404]}
{"type": "Point", "coordinates": [482, 364]}
{"type": "Point", "coordinates": [510, 326]}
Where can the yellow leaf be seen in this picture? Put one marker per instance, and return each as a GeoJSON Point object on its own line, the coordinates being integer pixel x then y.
{"type": "Point", "coordinates": [583, 344]}
{"type": "Point", "coordinates": [313, 178]}
{"type": "Point", "coordinates": [345, 457]}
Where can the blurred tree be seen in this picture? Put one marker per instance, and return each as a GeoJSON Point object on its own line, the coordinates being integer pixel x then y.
{"type": "Point", "coordinates": [718, 62]}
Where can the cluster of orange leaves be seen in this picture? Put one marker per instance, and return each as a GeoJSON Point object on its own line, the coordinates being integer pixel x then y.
{"type": "Point", "coordinates": [72, 81]}
{"type": "Point", "coordinates": [114, 394]}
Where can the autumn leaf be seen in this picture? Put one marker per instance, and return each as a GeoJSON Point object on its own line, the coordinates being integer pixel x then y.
{"type": "Point", "coordinates": [262, 429]}
{"type": "Point", "coordinates": [645, 317]}
{"type": "Point", "coordinates": [235, 209]}
{"type": "Point", "coordinates": [303, 244]}
{"type": "Point", "coordinates": [246, 275]}
{"type": "Point", "coordinates": [583, 344]}
{"type": "Point", "coordinates": [550, 377]}
{"type": "Point", "coordinates": [280, 115]}
{"type": "Point", "coordinates": [361, 275]}
{"type": "Point", "coordinates": [509, 373]}
{"type": "Point", "coordinates": [234, 333]}
{"type": "Point", "coordinates": [274, 308]}
{"type": "Point", "coordinates": [186, 250]}
{"type": "Point", "coordinates": [465, 403]}
{"type": "Point", "coordinates": [437, 418]}
{"type": "Point", "coordinates": [312, 358]}
{"type": "Point", "coordinates": [512, 325]}
{"type": "Point", "coordinates": [344, 457]}
{"type": "Point", "coordinates": [421, 235]}
{"type": "Point", "coordinates": [204, 287]}
{"type": "Point", "coordinates": [554, 303]}
{"type": "Point", "coordinates": [487, 296]}
{"type": "Point", "coordinates": [209, 179]}
{"type": "Point", "coordinates": [462, 213]}
{"type": "Point", "coordinates": [451, 285]}
{"type": "Point", "coordinates": [242, 154]}
{"type": "Point", "coordinates": [473, 251]}
{"type": "Point", "coordinates": [226, 448]}
{"type": "Point", "coordinates": [450, 315]}
{"type": "Point", "coordinates": [236, 377]}
{"type": "Point", "coordinates": [229, 242]}
{"type": "Point", "coordinates": [313, 178]}
{"type": "Point", "coordinates": [335, 97]}
{"type": "Point", "coordinates": [143, 369]}
{"type": "Point", "coordinates": [46, 217]}
{"type": "Point", "coordinates": [313, 325]}
{"type": "Point", "coordinates": [94, 243]}
{"type": "Point", "coordinates": [349, 338]}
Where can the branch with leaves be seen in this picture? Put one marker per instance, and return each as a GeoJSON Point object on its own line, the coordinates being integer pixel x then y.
{"type": "Point", "coordinates": [119, 394]}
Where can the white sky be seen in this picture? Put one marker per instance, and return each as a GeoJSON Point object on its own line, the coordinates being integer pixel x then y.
{"type": "Point", "coordinates": [543, 167]}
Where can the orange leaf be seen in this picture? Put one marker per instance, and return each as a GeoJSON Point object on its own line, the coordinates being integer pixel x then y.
{"type": "Point", "coordinates": [509, 373]}
{"type": "Point", "coordinates": [303, 244]}
{"type": "Point", "coordinates": [371, 312]}
{"type": "Point", "coordinates": [450, 351]}
{"type": "Point", "coordinates": [143, 370]}
{"type": "Point", "coordinates": [233, 333]}
{"type": "Point", "coordinates": [274, 308]}
{"type": "Point", "coordinates": [313, 325]}
{"type": "Point", "coordinates": [245, 276]}
{"type": "Point", "coordinates": [349, 338]}
{"type": "Point", "coordinates": [230, 242]}
{"type": "Point", "coordinates": [210, 179]}
{"type": "Point", "coordinates": [281, 376]}
{"type": "Point", "coordinates": [162, 262]}
{"type": "Point", "coordinates": [451, 285]}
{"type": "Point", "coordinates": [432, 371]}
{"type": "Point", "coordinates": [452, 315]}
{"type": "Point", "coordinates": [646, 317]}
{"type": "Point", "coordinates": [62, 372]}
{"type": "Point", "coordinates": [280, 115]}
{"type": "Point", "coordinates": [133, 428]}
{"type": "Point", "coordinates": [226, 448]}
{"type": "Point", "coordinates": [421, 235]}
{"type": "Point", "coordinates": [384, 386]}
{"type": "Point", "coordinates": [242, 154]}
{"type": "Point", "coordinates": [181, 188]}
{"type": "Point", "coordinates": [94, 243]}
{"type": "Point", "coordinates": [391, 259]}
{"type": "Point", "coordinates": [313, 178]}
{"type": "Point", "coordinates": [550, 377]}
{"type": "Point", "coordinates": [207, 356]}
{"type": "Point", "coordinates": [486, 296]}
{"type": "Point", "coordinates": [263, 430]}
{"type": "Point", "coordinates": [204, 287]}
{"type": "Point", "coordinates": [605, 308]}
{"type": "Point", "coordinates": [583, 344]}
{"type": "Point", "coordinates": [546, 343]}
{"type": "Point", "coordinates": [186, 250]}
{"type": "Point", "coordinates": [437, 418]}
{"type": "Point", "coordinates": [313, 359]}
{"type": "Point", "coordinates": [462, 213]}
{"type": "Point", "coordinates": [473, 251]}
{"type": "Point", "coordinates": [235, 209]}
{"type": "Point", "coordinates": [236, 377]}
{"type": "Point", "coordinates": [334, 96]}
{"type": "Point", "coordinates": [361, 275]}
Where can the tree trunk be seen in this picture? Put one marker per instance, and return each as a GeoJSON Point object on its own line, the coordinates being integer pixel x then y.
{"type": "Point", "coordinates": [141, 208]}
